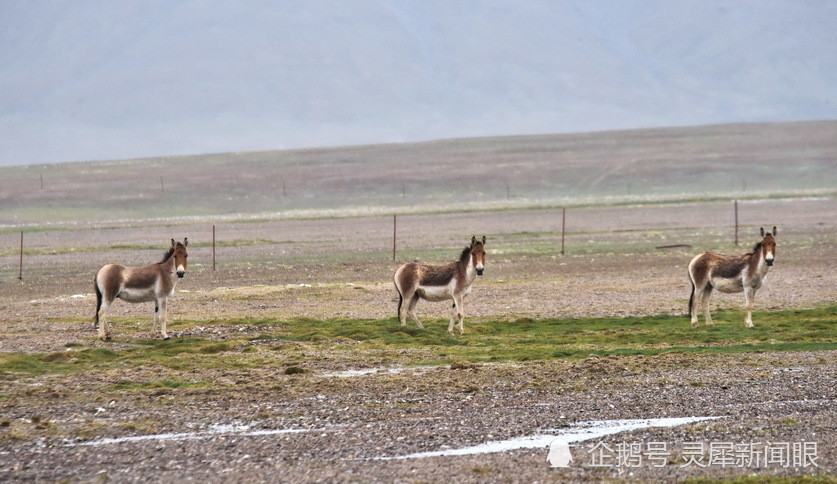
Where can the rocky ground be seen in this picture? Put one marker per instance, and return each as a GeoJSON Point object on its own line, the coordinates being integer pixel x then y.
{"type": "Point", "coordinates": [313, 428]}
{"type": "Point", "coordinates": [323, 426]}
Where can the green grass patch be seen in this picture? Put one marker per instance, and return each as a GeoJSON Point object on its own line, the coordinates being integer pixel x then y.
{"type": "Point", "coordinates": [541, 339]}
{"type": "Point", "coordinates": [486, 340]}
{"type": "Point", "coordinates": [58, 362]}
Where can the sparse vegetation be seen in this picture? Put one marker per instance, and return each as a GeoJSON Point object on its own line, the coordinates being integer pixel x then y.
{"type": "Point", "coordinates": [533, 172]}
{"type": "Point", "coordinates": [296, 330]}
{"type": "Point", "coordinates": [488, 341]}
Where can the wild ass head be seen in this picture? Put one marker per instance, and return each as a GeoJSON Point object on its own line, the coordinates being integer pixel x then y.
{"type": "Point", "coordinates": [768, 246]}
{"type": "Point", "coordinates": [478, 254]}
{"type": "Point", "coordinates": [180, 256]}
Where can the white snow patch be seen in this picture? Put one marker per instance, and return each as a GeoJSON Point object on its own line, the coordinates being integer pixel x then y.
{"type": "Point", "coordinates": [577, 432]}
{"type": "Point", "coordinates": [371, 371]}
{"type": "Point", "coordinates": [213, 431]}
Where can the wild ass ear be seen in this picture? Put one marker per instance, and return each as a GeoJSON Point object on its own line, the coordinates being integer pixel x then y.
{"type": "Point", "coordinates": [483, 240]}
{"type": "Point", "coordinates": [173, 243]}
{"type": "Point", "coordinates": [185, 241]}
{"type": "Point", "coordinates": [774, 231]}
{"type": "Point", "coordinates": [762, 231]}
{"type": "Point", "coordinates": [473, 240]}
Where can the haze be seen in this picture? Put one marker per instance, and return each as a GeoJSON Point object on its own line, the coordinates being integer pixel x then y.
{"type": "Point", "coordinates": [113, 80]}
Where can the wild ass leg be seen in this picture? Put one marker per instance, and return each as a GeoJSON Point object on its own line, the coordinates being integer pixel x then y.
{"type": "Point", "coordinates": [452, 317]}
{"type": "Point", "coordinates": [456, 314]}
{"type": "Point", "coordinates": [461, 314]}
{"type": "Point", "coordinates": [695, 309]}
{"type": "Point", "coordinates": [402, 311]}
{"type": "Point", "coordinates": [749, 298]}
{"type": "Point", "coordinates": [699, 285]}
{"type": "Point", "coordinates": [104, 298]}
{"type": "Point", "coordinates": [704, 300]}
{"type": "Point", "coordinates": [411, 311]}
{"type": "Point", "coordinates": [694, 303]}
{"type": "Point", "coordinates": [407, 307]}
{"type": "Point", "coordinates": [101, 316]}
{"type": "Point", "coordinates": [404, 308]}
{"type": "Point", "coordinates": [163, 315]}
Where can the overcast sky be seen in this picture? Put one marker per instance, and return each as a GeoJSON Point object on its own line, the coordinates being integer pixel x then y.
{"type": "Point", "coordinates": [92, 80]}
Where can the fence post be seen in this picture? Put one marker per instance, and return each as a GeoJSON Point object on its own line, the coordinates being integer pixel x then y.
{"type": "Point", "coordinates": [563, 227]}
{"type": "Point", "coordinates": [213, 247]}
{"type": "Point", "coordinates": [736, 223]}
{"type": "Point", "coordinates": [20, 266]}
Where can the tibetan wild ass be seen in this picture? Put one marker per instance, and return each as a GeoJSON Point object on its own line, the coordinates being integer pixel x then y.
{"type": "Point", "coordinates": [730, 273]}
{"type": "Point", "coordinates": [416, 281]}
{"type": "Point", "coordinates": [140, 284]}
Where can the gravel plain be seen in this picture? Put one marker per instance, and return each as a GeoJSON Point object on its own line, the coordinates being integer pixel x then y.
{"type": "Point", "coordinates": [319, 426]}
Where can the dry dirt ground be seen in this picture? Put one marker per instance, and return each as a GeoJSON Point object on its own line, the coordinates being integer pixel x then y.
{"type": "Point", "coordinates": [317, 426]}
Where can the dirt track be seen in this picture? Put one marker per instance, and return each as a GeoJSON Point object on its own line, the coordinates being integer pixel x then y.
{"type": "Point", "coordinates": [346, 423]}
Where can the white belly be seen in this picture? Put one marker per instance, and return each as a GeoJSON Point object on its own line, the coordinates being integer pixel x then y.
{"type": "Point", "coordinates": [137, 295]}
{"type": "Point", "coordinates": [436, 293]}
{"type": "Point", "coordinates": [727, 285]}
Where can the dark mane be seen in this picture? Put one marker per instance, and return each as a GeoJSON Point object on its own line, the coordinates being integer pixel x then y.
{"type": "Point", "coordinates": [465, 255]}
{"type": "Point", "coordinates": [756, 248]}
{"type": "Point", "coordinates": [167, 255]}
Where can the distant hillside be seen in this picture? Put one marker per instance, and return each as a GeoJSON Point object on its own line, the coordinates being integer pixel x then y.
{"type": "Point", "coordinates": [100, 79]}
{"type": "Point", "coordinates": [725, 161]}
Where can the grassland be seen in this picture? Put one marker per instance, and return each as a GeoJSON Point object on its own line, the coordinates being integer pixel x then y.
{"type": "Point", "coordinates": [487, 341]}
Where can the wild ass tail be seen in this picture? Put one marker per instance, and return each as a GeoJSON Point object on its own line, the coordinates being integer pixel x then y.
{"type": "Point", "coordinates": [400, 302]}
{"type": "Point", "coordinates": [98, 303]}
{"type": "Point", "coordinates": [692, 296]}
{"type": "Point", "coordinates": [691, 300]}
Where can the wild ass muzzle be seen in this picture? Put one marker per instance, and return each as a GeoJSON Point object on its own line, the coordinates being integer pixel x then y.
{"type": "Point", "coordinates": [416, 281]}
{"type": "Point", "coordinates": [730, 273]}
{"type": "Point", "coordinates": [140, 284]}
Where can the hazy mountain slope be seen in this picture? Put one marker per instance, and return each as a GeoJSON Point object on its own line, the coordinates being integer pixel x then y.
{"type": "Point", "coordinates": [748, 161]}
{"type": "Point", "coordinates": [103, 80]}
